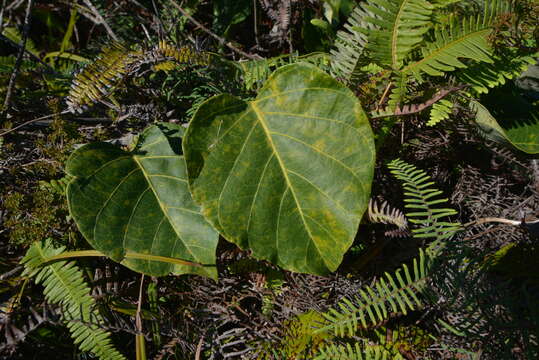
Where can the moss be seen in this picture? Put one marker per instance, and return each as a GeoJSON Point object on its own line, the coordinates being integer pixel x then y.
{"type": "Point", "coordinates": [300, 339]}
{"type": "Point", "coordinates": [59, 143]}
{"type": "Point", "coordinates": [36, 216]}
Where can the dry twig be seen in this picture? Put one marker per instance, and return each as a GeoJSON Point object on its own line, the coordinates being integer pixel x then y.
{"type": "Point", "coordinates": [221, 40]}
{"type": "Point", "coordinates": [101, 19]}
{"type": "Point", "coordinates": [32, 121]}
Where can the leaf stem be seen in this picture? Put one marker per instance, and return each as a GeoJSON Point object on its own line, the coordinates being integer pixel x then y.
{"type": "Point", "coordinates": [128, 255]}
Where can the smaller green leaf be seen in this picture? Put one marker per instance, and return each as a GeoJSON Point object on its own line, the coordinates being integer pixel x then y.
{"type": "Point", "coordinates": [136, 208]}
{"type": "Point", "coordinates": [522, 134]}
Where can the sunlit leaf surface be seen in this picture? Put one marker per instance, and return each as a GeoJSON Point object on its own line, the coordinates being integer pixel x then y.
{"type": "Point", "coordinates": [287, 175]}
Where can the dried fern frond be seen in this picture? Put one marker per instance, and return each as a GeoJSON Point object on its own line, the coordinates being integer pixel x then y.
{"type": "Point", "coordinates": [385, 214]}
{"type": "Point", "coordinates": [184, 54]}
{"type": "Point", "coordinates": [415, 108]}
{"type": "Point", "coordinates": [96, 81]}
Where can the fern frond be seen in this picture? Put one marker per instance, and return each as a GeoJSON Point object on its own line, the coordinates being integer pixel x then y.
{"type": "Point", "coordinates": [415, 108]}
{"type": "Point", "coordinates": [346, 57]}
{"type": "Point", "coordinates": [463, 38]}
{"type": "Point", "coordinates": [320, 59]}
{"type": "Point", "coordinates": [422, 197]}
{"type": "Point", "coordinates": [483, 76]}
{"type": "Point", "coordinates": [392, 294]}
{"type": "Point", "coordinates": [386, 215]}
{"type": "Point", "coordinates": [401, 26]}
{"type": "Point", "coordinates": [399, 90]}
{"type": "Point", "coordinates": [440, 111]}
{"type": "Point", "coordinates": [64, 285]}
{"type": "Point", "coordinates": [355, 352]}
{"type": "Point", "coordinates": [13, 34]}
{"type": "Point", "coordinates": [256, 72]}
{"type": "Point", "coordinates": [97, 79]}
{"type": "Point", "coordinates": [184, 54]}
{"type": "Point", "coordinates": [440, 4]}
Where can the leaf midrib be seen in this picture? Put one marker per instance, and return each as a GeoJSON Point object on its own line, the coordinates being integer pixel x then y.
{"type": "Point", "coordinates": [260, 117]}
{"type": "Point", "coordinates": [161, 205]}
{"type": "Point", "coordinates": [395, 33]}
{"type": "Point", "coordinates": [440, 50]}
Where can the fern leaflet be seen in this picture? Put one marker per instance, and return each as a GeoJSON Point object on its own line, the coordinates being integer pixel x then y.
{"type": "Point", "coordinates": [401, 26]}
{"type": "Point", "coordinates": [396, 293]}
{"type": "Point", "coordinates": [64, 285]}
{"type": "Point", "coordinates": [440, 111]}
{"type": "Point", "coordinates": [462, 38]}
{"type": "Point", "coordinates": [97, 79]}
{"type": "Point", "coordinates": [386, 215]}
{"type": "Point", "coordinates": [346, 57]}
{"type": "Point", "coordinates": [421, 197]}
{"type": "Point", "coordinates": [483, 77]}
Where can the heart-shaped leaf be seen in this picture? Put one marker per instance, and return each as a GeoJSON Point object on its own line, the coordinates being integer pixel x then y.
{"type": "Point", "coordinates": [523, 134]}
{"type": "Point", "coordinates": [287, 175]}
{"type": "Point", "coordinates": [140, 202]}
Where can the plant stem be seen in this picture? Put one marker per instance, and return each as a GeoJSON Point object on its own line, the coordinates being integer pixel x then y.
{"type": "Point", "coordinates": [221, 40]}
{"type": "Point", "coordinates": [20, 55]}
{"type": "Point", "coordinates": [493, 220]}
{"type": "Point", "coordinates": [139, 337]}
{"type": "Point", "coordinates": [128, 255]}
{"type": "Point", "coordinates": [32, 121]}
{"type": "Point", "coordinates": [101, 19]}
{"type": "Point", "coordinates": [2, 16]}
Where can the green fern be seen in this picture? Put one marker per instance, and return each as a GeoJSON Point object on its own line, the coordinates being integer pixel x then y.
{"type": "Point", "coordinates": [419, 39]}
{"type": "Point", "coordinates": [13, 34]}
{"type": "Point", "coordinates": [64, 285]}
{"type": "Point", "coordinates": [463, 38]}
{"type": "Point", "coordinates": [346, 57]}
{"type": "Point", "coordinates": [420, 196]}
{"type": "Point", "coordinates": [483, 77]}
{"type": "Point", "coordinates": [255, 72]}
{"type": "Point", "coordinates": [401, 292]}
{"type": "Point", "coordinates": [383, 342]}
{"type": "Point", "coordinates": [399, 91]}
{"type": "Point", "coordinates": [401, 26]}
{"type": "Point", "coordinates": [440, 111]}
{"type": "Point", "coordinates": [374, 305]}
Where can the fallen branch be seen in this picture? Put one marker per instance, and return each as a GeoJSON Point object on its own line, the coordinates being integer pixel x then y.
{"type": "Point", "coordinates": [32, 121]}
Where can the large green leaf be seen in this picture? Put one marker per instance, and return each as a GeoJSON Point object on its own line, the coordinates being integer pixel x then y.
{"type": "Point", "coordinates": [140, 202]}
{"type": "Point", "coordinates": [287, 175]}
{"type": "Point", "coordinates": [523, 134]}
